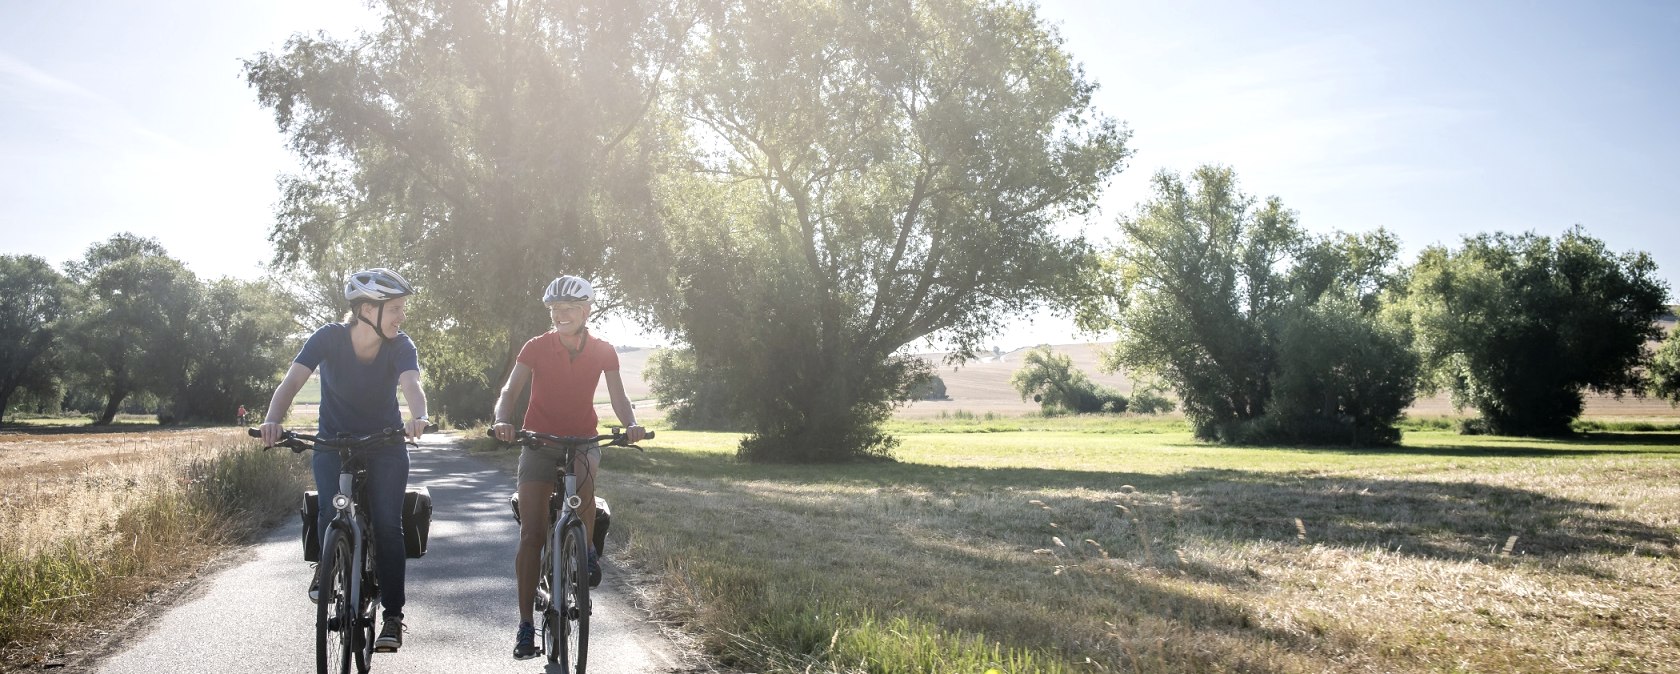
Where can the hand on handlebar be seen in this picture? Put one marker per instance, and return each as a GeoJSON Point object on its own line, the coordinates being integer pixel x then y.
{"type": "Point", "coordinates": [635, 433]}
{"type": "Point", "coordinates": [270, 433]}
{"type": "Point", "coordinates": [504, 431]}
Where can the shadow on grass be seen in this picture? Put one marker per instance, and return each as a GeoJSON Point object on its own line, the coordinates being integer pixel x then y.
{"type": "Point", "coordinates": [1581, 445]}
{"type": "Point", "coordinates": [1436, 518]}
{"type": "Point", "coordinates": [797, 572]}
{"type": "Point", "coordinates": [1440, 519]}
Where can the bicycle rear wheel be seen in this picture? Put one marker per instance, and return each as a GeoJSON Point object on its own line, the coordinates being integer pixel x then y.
{"type": "Point", "coordinates": [575, 609]}
{"type": "Point", "coordinates": [335, 611]}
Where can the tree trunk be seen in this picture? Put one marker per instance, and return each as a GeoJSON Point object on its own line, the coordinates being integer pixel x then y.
{"type": "Point", "coordinates": [111, 403]}
{"type": "Point", "coordinates": [5, 400]}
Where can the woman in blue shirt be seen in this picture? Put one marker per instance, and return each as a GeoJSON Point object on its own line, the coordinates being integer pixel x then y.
{"type": "Point", "coordinates": [364, 361]}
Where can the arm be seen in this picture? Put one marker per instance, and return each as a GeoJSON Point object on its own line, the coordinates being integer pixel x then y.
{"type": "Point", "coordinates": [281, 403]}
{"type": "Point", "coordinates": [621, 405]}
{"type": "Point", "coordinates": [517, 380]}
{"type": "Point", "coordinates": [409, 383]}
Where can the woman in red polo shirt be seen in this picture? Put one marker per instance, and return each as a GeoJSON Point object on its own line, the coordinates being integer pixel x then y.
{"type": "Point", "coordinates": [562, 367]}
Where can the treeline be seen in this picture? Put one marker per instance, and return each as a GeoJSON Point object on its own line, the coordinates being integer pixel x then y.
{"type": "Point", "coordinates": [797, 194]}
{"type": "Point", "coordinates": [127, 328]}
{"type": "Point", "coordinates": [1269, 333]}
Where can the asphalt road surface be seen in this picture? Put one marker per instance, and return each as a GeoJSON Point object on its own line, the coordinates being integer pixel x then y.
{"type": "Point", "coordinates": [254, 616]}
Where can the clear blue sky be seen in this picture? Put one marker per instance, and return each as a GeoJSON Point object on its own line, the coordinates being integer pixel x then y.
{"type": "Point", "coordinates": [1432, 119]}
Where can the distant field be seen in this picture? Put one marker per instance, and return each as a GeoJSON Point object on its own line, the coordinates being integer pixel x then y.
{"type": "Point", "coordinates": [983, 386]}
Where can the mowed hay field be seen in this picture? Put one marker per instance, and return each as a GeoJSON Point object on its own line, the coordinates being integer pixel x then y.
{"type": "Point", "coordinates": [1134, 548]}
{"type": "Point", "coordinates": [95, 521]}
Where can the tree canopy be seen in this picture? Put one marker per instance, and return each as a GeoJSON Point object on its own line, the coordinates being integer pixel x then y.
{"type": "Point", "coordinates": [1262, 329]}
{"type": "Point", "coordinates": [132, 311]}
{"type": "Point", "coordinates": [1665, 369]}
{"type": "Point", "coordinates": [1519, 327]}
{"type": "Point", "coordinates": [32, 300]}
{"type": "Point", "coordinates": [868, 175]}
{"type": "Point", "coordinates": [482, 149]}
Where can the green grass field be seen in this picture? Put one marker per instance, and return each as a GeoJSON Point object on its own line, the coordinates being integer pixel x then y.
{"type": "Point", "coordinates": [1125, 545]}
{"type": "Point", "coordinates": [309, 394]}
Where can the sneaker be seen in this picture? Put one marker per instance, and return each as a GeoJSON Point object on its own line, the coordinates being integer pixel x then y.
{"type": "Point", "coordinates": [525, 645]}
{"type": "Point", "coordinates": [594, 568]}
{"type": "Point", "coordinates": [314, 585]}
{"type": "Point", "coordinates": [390, 636]}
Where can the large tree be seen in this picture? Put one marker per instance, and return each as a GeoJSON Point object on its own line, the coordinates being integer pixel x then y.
{"type": "Point", "coordinates": [237, 344]}
{"type": "Point", "coordinates": [127, 331]}
{"type": "Point", "coordinates": [868, 175]}
{"type": "Point", "coordinates": [1520, 327]}
{"type": "Point", "coordinates": [1665, 369]}
{"type": "Point", "coordinates": [482, 148]}
{"type": "Point", "coordinates": [32, 297]}
{"type": "Point", "coordinates": [1225, 298]}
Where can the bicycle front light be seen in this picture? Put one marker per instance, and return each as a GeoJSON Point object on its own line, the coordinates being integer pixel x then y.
{"type": "Point", "coordinates": [341, 502]}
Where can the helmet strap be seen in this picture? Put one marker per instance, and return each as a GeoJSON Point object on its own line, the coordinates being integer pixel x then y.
{"type": "Point", "coordinates": [376, 322]}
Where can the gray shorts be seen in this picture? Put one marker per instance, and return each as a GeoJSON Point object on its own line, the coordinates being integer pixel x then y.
{"type": "Point", "coordinates": [537, 464]}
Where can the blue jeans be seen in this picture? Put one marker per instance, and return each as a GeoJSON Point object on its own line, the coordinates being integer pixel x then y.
{"type": "Point", "coordinates": [387, 479]}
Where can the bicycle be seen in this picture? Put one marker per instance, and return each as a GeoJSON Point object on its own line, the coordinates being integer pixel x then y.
{"type": "Point", "coordinates": [349, 592]}
{"type": "Point", "coordinates": [565, 620]}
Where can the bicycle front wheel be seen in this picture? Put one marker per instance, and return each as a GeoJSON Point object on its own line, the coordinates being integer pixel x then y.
{"type": "Point", "coordinates": [549, 601]}
{"type": "Point", "coordinates": [575, 609]}
{"type": "Point", "coordinates": [335, 609]}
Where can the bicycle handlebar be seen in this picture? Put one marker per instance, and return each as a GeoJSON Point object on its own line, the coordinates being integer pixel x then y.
{"type": "Point", "coordinates": [618, 438]}
{"type": "Point", "coordinates": [297, 442]}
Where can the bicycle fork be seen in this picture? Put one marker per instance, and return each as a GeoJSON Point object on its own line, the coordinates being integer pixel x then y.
{"type": "Point", "coordinates": [358, 562]}
{"type": "Point", "coordinates": [556, 551]}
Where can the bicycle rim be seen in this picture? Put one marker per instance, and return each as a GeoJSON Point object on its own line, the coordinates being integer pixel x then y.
{"type": "Point", "coordinates": [334, 610]}
{"type": "Point", "coordinates": [576, 586]}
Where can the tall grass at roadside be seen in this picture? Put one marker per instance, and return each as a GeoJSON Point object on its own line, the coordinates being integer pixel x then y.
{"type": "Point", "coordinates": [1083, 551]}
{"type": "Point", "coordinates": [83, 545]}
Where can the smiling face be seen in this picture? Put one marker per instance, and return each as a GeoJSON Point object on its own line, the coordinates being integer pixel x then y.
{"type": "Point", "coordinates": [568, 317]}
{"type": "Point", "coordinates": [395, 311]}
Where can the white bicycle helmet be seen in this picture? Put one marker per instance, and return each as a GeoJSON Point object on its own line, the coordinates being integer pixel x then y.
{"type": "Point", "coordinates": [569, 289]}
{"type": "Point", "coordinates": [376, 285]}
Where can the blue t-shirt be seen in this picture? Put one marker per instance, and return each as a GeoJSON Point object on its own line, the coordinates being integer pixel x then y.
{"type": "Point", "coordinates": [357, 398]}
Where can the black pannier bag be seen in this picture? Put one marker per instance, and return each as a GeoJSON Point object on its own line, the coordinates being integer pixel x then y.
{"type": "Point", "coordinates": [416, 520]}
{"type": "Point", "coordinates": [311, 537]}
{"type": "Point", "coordinates": [603, 517]}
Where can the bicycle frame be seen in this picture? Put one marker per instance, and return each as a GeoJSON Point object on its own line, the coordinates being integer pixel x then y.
{"type": "Point", "coordinates": [349, 519]}
{"type": "Point", "coordinates": [557, 556]}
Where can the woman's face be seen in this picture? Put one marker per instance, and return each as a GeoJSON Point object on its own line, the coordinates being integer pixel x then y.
{"type": "Point", "coordinates": [395, 311]}
{"type": "Point", "coordinates": [568, 317]}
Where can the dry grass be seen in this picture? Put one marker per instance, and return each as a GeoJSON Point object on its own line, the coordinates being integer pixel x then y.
{"type": "Point", "coordinates": [96, 522]}
{"type": "Point", "coordinates": [1128, 551]}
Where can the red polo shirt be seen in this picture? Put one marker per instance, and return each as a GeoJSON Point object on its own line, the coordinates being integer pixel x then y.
{"type": "Point", "coordinates": [563, 385]}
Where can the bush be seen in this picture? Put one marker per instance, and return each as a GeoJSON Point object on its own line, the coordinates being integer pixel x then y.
{"type": "Point", "coordinates": [691, 401]}
{"type": "Point", "coordinates": [1052, 381]}
{"type": "Point", "coordinates": [1343, 378]}
{"type": "Point", "coordinates": [933, 388]}
{"type": "Point", "coordinates": [1149, 399]}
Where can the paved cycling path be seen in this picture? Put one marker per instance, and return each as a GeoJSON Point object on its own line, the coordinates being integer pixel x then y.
{"type": "Point", "coordinates": [253, 616]}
